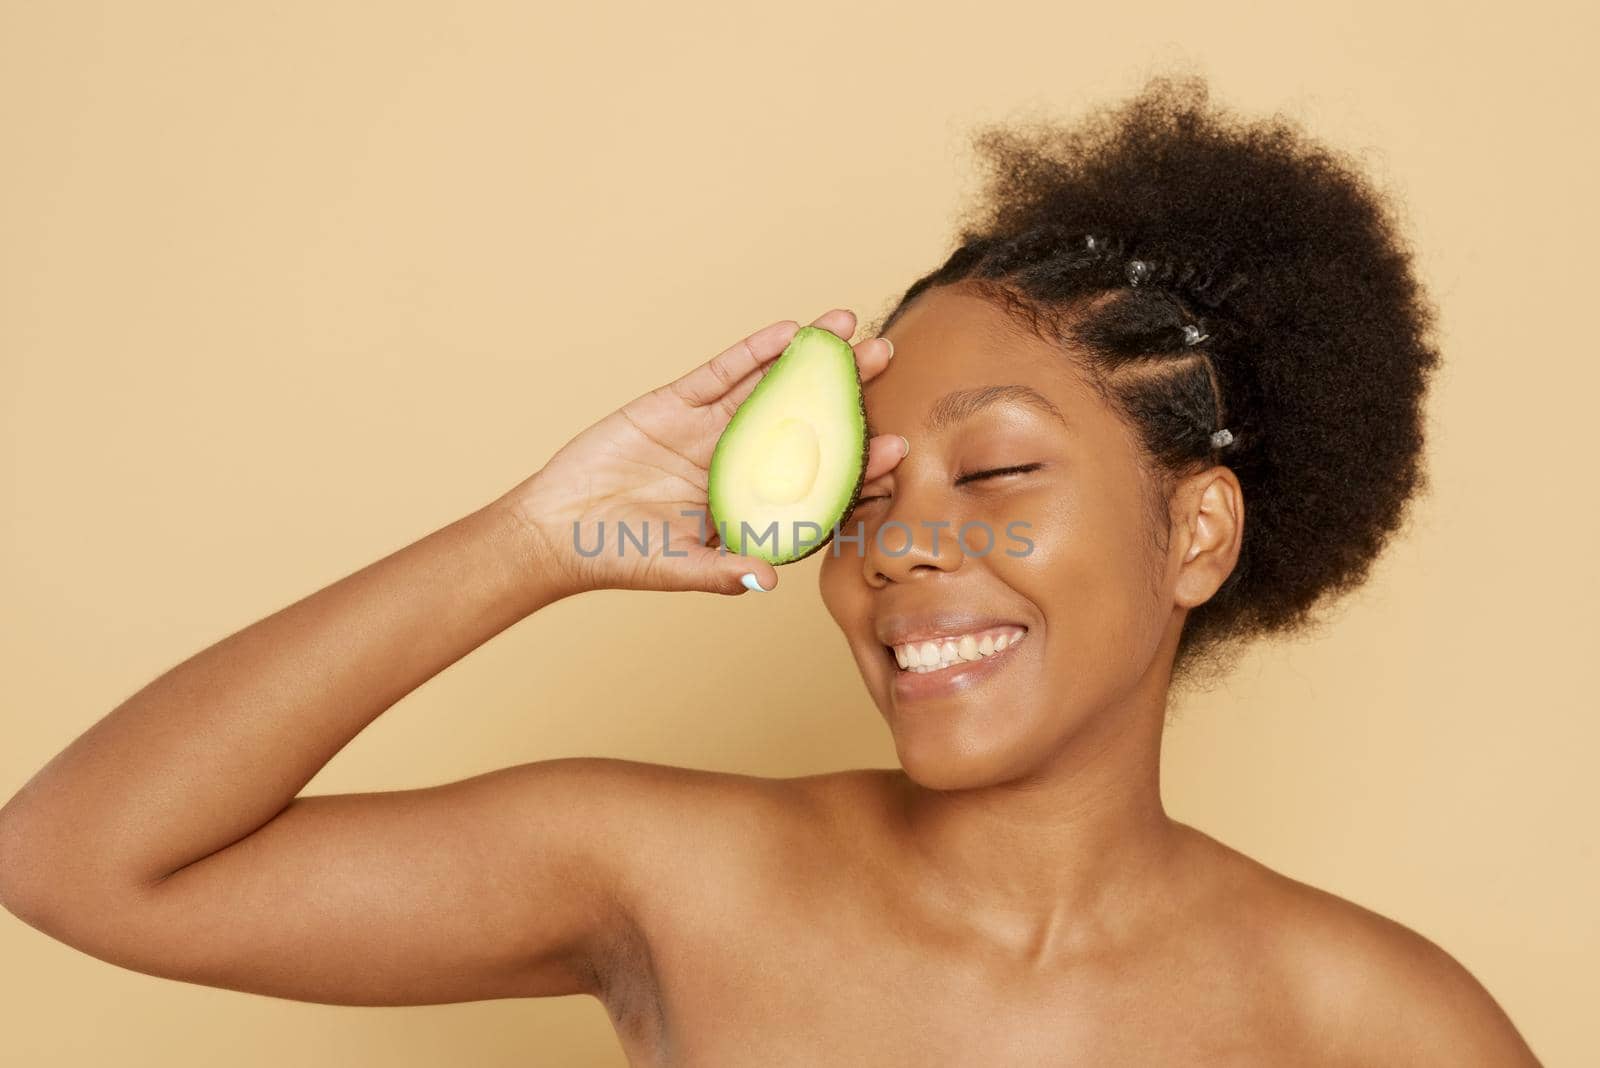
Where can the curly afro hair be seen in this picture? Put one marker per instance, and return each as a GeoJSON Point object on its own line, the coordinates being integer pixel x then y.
{"type": "Point", "coordinates": [1209, 272]}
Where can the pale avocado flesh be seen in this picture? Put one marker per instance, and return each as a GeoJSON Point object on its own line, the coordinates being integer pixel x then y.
{"type": "Point", "coordinates": [790, 463]}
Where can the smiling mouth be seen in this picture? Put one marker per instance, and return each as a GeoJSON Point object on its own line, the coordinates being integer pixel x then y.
{"type": "Point", "coordinates": [951, 650]}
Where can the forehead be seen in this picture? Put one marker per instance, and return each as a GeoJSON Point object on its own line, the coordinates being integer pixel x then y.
{"type": "Point", "coordinates": [951, 340]}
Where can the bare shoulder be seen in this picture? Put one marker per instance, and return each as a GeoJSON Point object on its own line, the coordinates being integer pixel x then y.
{"type": "Point", "coordinates": [703, 844]}
{"type": "Point", "coordinates": [1379, 991]}
{"type": "Point", "coordinates": [660, 813]}
{"type": "Point", "coordinates": [685, 840]}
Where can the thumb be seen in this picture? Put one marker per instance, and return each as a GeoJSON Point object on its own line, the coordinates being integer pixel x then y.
{"type": "Point", "coordinates": [731, 573]}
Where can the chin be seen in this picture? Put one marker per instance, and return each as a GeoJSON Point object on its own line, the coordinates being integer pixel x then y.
{"type": "Point", "coordinates": [941, 759]}
{"type": "Point", "coordinates": [981, 731]}
{"type": "Point", "coordinates": [947, 775]}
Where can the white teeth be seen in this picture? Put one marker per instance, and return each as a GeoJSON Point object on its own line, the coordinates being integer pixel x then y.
{"type": "Point", "coordinates": [956, 649]}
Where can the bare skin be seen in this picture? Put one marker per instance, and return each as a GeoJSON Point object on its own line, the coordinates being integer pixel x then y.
{"type": "Point", "coordinates": [1014, 893]}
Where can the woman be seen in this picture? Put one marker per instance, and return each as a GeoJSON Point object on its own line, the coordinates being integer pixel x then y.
{"type": "Point", "coordinates": [1182, 358]}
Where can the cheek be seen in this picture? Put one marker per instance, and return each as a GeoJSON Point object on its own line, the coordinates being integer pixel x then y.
{"type": "Point", "coordinates": [843, 592]}
{"type": "Point", "coordinates": [1088, 574]}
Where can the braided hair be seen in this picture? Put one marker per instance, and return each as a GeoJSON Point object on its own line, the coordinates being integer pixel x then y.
{"type": "Point", "coordinates": [1239, 295]}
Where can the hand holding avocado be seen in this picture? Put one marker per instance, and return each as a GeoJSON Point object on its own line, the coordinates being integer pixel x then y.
{"type": "Point", "coordinates": [617, 507]}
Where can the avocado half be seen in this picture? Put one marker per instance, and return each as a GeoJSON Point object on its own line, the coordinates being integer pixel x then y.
{"type": "Point", "coordinates": [794, 454]}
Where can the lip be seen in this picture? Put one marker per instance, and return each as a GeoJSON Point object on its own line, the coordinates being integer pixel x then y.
{"type": "Point", "coordinates": [958, 678]}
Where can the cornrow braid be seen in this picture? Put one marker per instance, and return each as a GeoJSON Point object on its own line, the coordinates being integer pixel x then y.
{"type": "Point", "coordinates": [1158, 329]}
{"type": "Point", "coordinates": [1238, 294]}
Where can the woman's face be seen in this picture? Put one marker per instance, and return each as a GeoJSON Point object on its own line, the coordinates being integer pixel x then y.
{"type": "Point", "coordinates": [1073, 567]}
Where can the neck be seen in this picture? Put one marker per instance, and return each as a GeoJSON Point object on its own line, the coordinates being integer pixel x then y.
{"type": "Point", "coordinates": [1064, 858]}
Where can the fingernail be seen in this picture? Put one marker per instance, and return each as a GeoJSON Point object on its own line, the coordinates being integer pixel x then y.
{"type": "Point", "coordinates": [905, 445]}
{"type": "Point", "coordinates": [886, 341]}
{"type": "Point", "coordinates": [750, 583]}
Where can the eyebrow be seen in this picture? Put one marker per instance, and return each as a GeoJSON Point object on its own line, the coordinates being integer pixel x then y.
{"type": "Point", "coordinates": [963, 404]}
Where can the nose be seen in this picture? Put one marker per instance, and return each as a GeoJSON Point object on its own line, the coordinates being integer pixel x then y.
{"type": "Point", "coordinates": [901, 549]}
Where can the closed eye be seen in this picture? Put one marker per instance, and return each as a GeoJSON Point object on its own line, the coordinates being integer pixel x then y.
{"type": "Point", "coordinates": [997, 472]}
{"type": "Point", "coordinates": [975, 476]}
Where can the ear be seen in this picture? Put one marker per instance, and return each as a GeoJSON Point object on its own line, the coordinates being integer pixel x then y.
{"type": "Point", "coordinates": [1209, 531]}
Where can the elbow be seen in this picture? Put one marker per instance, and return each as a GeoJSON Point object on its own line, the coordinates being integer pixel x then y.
{"type": "Point", "coordinates": [46, 883]}
{"type": "Point", "coordinates": [38, 883]}
{"type": "Point", "coordinates": [24, 882]}
{"type": "Point", "coordinates": [57, 881]}
{"type": "Point", "coordinates": [19, 878]}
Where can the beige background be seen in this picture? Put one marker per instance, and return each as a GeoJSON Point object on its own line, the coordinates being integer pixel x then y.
{"type": "Point", "coordinates": [284, 287]}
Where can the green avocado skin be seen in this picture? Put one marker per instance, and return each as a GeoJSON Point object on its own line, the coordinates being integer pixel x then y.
{"type": "Point", "coordinates": [809, 343]}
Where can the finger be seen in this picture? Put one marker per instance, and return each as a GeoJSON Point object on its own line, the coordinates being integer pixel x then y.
{"type": "Point", "coordinates": [726, 574]}
{"type": "Point", "coordinates": [872, 356]}
{"type": "Point", "coordinates": [883, 453]}
{"type": "Point", "coordinates": [711, 381]}
{"type": "Point", "coordinates": [738, 394]}
{"type": "Point", "coordinates": [841, 321]}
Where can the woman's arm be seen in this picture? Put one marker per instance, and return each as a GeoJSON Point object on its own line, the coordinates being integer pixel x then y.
{"type": "Point", "coordinates": [168, 838]}
{"type": "Point", "coordinates": [218, 745]}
